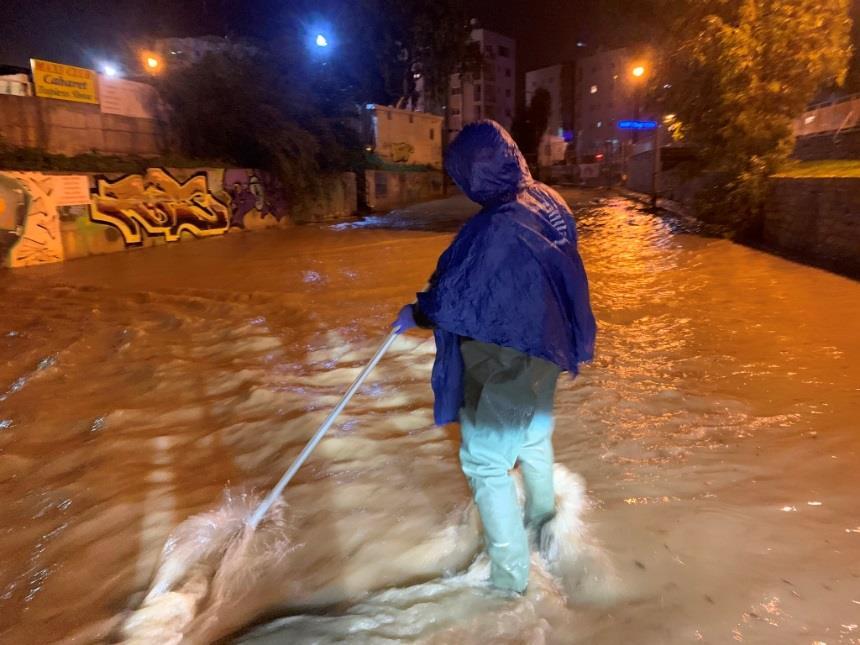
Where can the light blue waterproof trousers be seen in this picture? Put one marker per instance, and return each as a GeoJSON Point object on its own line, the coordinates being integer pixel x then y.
{"type": "Point", "coordinates": [507, 419]}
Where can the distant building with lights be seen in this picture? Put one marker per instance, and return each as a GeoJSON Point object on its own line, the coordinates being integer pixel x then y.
{"type": "Point", "coordinates": [183, 52]}
{"type": "Point", "coordinates": [490, 94]}
{"type": "Point", "coordinates": [606, 92]}
{"type": "Point", "coordinates": [560, 81]}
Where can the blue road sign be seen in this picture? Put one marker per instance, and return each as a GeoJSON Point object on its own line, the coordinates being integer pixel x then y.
{"type": "Point", "coordinates": [637, 125]}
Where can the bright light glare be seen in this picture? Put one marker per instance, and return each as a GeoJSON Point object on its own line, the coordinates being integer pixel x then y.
{"type": "Point", "coordinates": [110, 70]}
{"type": "Point", "coordinates": [321, 41]}
{"type": "Point", "coordinates": [638, 71]}
{"type": "Point", "coordinates": [151, 62]}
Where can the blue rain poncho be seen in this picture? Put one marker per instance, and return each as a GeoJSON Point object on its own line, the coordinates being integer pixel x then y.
{"type": "Point", "coordinates": [512, 276]}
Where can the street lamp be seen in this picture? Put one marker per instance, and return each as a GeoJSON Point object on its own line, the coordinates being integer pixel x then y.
{"type": "Point", "coordinates": [638, 71]}
{"type": "Point", "coordinates": [152, 62]}
{"type": "Point", "coordinates": [110, 70]}
{"type": "Point", "coordinates": [321, 41]}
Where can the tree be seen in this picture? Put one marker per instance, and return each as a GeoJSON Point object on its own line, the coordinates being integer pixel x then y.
{"type": "Point", "coordinates": [530, 124]}
{"type": "Point", "coordinates": [250, 109]}
{"type": "Point", "coordinates": [740, 72]}
{"type": "Point", "coordinates": [383, 47]}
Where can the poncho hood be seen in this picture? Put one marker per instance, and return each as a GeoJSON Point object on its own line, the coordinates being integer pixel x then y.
{"type": "Point", "coordinates": [486, 164]}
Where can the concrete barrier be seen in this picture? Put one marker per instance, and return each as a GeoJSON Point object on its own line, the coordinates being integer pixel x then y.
{"type": "Point", "coordinates": [816, 219]}
{"type": "Point", "coordinates": [387, 189]}
{"type": "Point", "coordinates": [62, 127]}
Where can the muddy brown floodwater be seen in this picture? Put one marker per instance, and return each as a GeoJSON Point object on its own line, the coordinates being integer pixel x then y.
{"type": "Point", "coordinates": [717, 434]}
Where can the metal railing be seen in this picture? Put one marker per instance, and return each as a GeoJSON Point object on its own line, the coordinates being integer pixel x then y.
{"type": "Point", "coordinates": [832, 116]}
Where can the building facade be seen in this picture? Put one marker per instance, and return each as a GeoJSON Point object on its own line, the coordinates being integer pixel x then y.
{"type": "Point", "coordinates": [560, 81]}
{"type": "Point", "coordinates": [490, 94]}
{"type": "Point", "coordinates": [607, 91]}
{"type": "Point", "coordinates": [404, 136]}
{"type": "Point", "coordinates": [178, 53]}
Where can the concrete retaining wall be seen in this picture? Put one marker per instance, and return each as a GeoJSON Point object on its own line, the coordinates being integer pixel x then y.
{"type": "Point", "coordinates": [845, 145]}
{"type": "Point", "coordinates": [51, 217]}
{"type": "Point", "coordinates": [62, 127]}
{"type": "Point", "coordinates": [387, 189]}
{"type": "Point", "coordinates": [817, 219]}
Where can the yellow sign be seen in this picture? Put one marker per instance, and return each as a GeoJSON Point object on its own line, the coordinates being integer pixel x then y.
{"type": "Point", "coordinates": [65, 82]}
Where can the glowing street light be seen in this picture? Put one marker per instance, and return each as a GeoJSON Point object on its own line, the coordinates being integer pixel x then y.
{"type": "Point", "coordinates": [321, 41]}
{"type": "Point", "coordinates": [151, 62]}
{"type": "Point", "coordinates": [638, 71]}
{"type": "Point", "coordinates": [110, 70]}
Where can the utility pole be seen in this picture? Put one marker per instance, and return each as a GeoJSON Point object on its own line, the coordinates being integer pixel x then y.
{"type": "Point", "coordinates": [655, 175]}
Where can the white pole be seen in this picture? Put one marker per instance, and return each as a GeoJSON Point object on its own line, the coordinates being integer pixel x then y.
{"type": "Point", "coordinates": [267, 503]}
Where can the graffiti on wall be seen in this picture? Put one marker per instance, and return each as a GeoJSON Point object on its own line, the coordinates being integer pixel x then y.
{"type": "Point", "coordinates": [401, 152]}
{"type": "Point", "coordinates": [159, 205]}
{"type": "Point", "coordinates": [29, 222]}
{"type": "Point", "coordinates": [252, 191]}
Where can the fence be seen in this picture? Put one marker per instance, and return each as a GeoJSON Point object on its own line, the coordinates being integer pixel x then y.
{"type": "Point", "coordinates": [832, 116]}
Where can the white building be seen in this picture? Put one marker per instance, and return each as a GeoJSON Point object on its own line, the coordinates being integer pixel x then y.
{"type": "Point", "coordinates": [490, 94]}
{"type": "Point", "coordinates": [404, 136]}
{"type": "Point", "coordinates": [16, 84]}
{"type": "Point", "coordinates": [559, 80]}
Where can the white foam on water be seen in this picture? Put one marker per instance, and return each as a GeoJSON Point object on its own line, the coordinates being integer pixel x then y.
{"type": "Point", "coordinates": [215, 577]}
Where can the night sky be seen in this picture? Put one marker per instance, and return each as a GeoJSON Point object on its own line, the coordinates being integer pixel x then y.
{"type": "Point", "coordinates": [83, 32]}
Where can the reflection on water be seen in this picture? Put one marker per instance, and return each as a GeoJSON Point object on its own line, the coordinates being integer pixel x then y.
{"type": "Point", "coordinates": [136, 389]}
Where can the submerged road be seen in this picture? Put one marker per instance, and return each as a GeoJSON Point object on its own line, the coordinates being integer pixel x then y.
{"type": "Point", "coordinates": [717, 434]}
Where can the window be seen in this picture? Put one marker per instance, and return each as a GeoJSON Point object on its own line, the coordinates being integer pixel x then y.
{"type": "Point", "coordinates": [508, 72]}
{"type": "Point", "coordinates": [507, 93]}
{"type": "Point", "coordinates": [432, 134]}
{"type": "Point", "coordinates": [593, 89]}
{"type": "Point", "coordinates": [380, 184]}
{"type": "Point", "coordinates": [455, 111]}
{"type": "Point", "coordinates": [504, 52]}
{"type": "Point", "coordinates": [455, 91]}
{"type": "Point", "coordinates": [477, 92]}
{"type": "Point", "coordinates": [477, 111]}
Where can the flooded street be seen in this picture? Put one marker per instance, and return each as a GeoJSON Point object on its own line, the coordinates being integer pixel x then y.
{"type": "Point", "coordinates": [717, 434]}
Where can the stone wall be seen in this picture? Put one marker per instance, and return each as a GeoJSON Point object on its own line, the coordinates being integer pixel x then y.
{"type": "Point", "coordinates": [387, 189]}
{"type": "Point", "coordinates": [816, 219]}
{"type": "Point", "coordinates": [51, 217]}
{"type": "Point", "coordinates": [62, 127]}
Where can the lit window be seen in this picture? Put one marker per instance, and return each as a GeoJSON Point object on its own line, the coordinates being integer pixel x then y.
{"type": "Point", "coordinates": [593, 89]}
{"type": "Point", "coordinates": [600, 124]}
